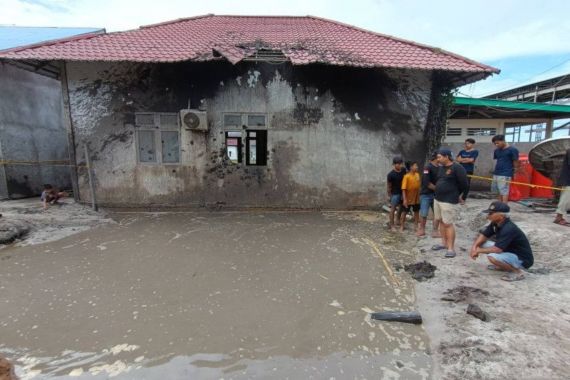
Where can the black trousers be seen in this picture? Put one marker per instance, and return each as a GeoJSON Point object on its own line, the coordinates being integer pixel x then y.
{"type": "Point", "coordinates": [468, 184]}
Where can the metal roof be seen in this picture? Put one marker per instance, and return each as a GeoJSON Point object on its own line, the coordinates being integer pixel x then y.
{"type": "Point", "coordinates": [477, 108]}
{"type": "Point", "coordinates": [14, 36]}
{"type": "Point", "coordinates": [302, 40]}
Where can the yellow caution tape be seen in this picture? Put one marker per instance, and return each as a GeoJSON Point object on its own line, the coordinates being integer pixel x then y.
{"type": "Point", "coordinates": [519, 183]}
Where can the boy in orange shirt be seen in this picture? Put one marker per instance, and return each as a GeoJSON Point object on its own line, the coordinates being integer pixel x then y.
{"type": "Point", "coordinates": [411, 185]}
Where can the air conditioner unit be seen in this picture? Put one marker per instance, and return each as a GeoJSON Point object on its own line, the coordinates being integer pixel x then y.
{"type": "Point", "coordinates": [194, 120]}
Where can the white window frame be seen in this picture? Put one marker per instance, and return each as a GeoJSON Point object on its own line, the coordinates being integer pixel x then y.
{"type": "Point", "coordinates": [157, 129]}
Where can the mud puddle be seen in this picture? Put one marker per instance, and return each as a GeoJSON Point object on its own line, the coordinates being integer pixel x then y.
{"type": "Point", "coordinates": [210, 295]}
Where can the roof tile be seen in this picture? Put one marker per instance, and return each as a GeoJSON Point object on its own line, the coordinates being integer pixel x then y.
{"type": "Point", "coordinates": [302, 39]}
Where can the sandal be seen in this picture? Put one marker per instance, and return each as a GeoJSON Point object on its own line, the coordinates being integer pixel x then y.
{"type": "Point", "coordinates": [494, 267]}
{"type": "Point", "coordinates": [450, 254]}
{"type": "Point", "coordinates": [513, 277]}
{"type": "Point", "coordinates": [438, 247]}
{"type": "Point", "coordinates": [562, 222]}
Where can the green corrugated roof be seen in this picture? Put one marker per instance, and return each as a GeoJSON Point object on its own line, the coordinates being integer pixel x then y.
{"type": "Point", "coordinates": [495, 103]}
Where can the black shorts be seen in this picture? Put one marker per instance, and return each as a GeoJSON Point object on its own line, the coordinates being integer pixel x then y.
{"type": "Point", "coordinates": [414, 208]}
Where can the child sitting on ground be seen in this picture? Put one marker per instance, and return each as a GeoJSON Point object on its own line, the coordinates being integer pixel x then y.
{"type": "Point", "coordinates": [50, 195]}
{"type": "Point", "coordinates": [411, 195]}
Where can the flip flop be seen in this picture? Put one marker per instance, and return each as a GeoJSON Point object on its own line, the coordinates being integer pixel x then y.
{"type": "Point", "coordinates": [562, 222]}
{"type": "Point", "coordinates": [494, 267]}
{"type": "Point", "coordinates": [513, 277]}
{"type": "Point", "coordinates": [450, 254]}
{"type": "Point", "coordinates": [438, 247]}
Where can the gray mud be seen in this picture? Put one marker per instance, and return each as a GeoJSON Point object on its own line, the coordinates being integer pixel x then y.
{"type": "Point", "coordinates": [212, 295]}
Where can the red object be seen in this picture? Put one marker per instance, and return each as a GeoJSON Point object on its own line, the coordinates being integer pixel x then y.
{"type": "Point", "coordinates": [518, 192]}
{"type": "Point", "coordinates": [303, 40]}
{"type": "Point", "coordinates": [538, 192]}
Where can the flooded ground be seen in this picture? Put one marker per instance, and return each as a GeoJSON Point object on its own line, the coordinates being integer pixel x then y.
{"type": "Point", "coordinates": [212, 295]}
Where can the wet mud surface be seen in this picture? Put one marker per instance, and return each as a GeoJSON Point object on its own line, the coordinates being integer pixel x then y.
{"type": "Point", "coordinates": [211, 295]}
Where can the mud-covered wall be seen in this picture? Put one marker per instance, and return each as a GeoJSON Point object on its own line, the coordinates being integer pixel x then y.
{"type": "Point", "coordinates": [31, 130]}
{"type": "Point", "coordinates": [332, 132]}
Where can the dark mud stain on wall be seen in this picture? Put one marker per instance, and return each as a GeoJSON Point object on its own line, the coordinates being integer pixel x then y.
{"type": "Point", "coordinates": [356, 119]}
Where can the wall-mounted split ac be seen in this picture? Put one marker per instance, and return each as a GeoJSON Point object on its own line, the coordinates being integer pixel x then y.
{"type": "Point", "coordinates": [194, 120]}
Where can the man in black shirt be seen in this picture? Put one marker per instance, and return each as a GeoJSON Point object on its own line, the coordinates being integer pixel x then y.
{"type": "Point", "coordinates": [449, 191]}
{"type": "Point", "coordinates": [511, 251]}
{"type": "Point", "coordinates": [429, 179]}
{"type": "Point", "coordinates": [394, 182]}
{"type": "Point", "coordinates": [564, 182]}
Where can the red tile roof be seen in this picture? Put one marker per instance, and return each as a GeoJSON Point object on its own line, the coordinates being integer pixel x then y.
{"type": "Point", "coordinates": [303, 40]}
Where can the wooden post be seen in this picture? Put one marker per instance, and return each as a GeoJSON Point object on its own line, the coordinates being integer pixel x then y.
{"type": "Point", "coordinates": [91, 183]}
{"type": "Point", "coordinates": [70, 133]}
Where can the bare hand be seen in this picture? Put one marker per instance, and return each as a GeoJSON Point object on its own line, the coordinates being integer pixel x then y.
{"type": "Point", "coordinates": [474, 254]}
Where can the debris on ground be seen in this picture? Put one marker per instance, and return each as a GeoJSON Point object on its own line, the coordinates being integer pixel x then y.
{"type": "Point", "coordinates": [477, 312]}
{"type": "Point", "coordinates": [26, 222]}
{"type": "Point", "coordinates": [6, 370]}
{"type": "Point", "coordinates": [539, 270]}
{"type": "Point", "coordinates": [11, 230]}
{"type": "Point", "coordinates": [398, 316]}
{"type": "Point", "coordinates": [463, 293]}
{"type": "Point", "coordinates": [421, 271]}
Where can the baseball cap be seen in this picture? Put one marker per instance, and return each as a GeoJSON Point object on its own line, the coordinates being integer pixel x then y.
{"type": "Point", "coordinates": [497, 206]}
{"type": "Point", "coordinates": [445, 152]}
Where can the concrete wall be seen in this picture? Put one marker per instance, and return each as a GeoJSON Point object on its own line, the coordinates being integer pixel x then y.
{"type": "Point", "coordinates": [332, 132]}
{"type": "Point", "coordinates": [31, 129]}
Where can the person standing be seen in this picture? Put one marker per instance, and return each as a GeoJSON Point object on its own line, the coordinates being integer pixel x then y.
{"type": "Point", "coordinates": [467, 158]}
{"type": "Point", "coordinates": [564, 182]}
{"type": "Point", "coordinates": [394, 183]}
{"type": "Point", "coordinates": [449, 191]}
{"type": "Point", "coordinates": [507, 164]}
{"type": "Point", "coordinates": [429, 179]}
{"type": "Point", "coordinates": [411, 185]}
{"type": "Point", "coordinates": [511, 251]}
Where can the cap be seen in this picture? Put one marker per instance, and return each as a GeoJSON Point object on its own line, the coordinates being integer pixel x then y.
{"type": "Point", "coordinates": [497, 206]}
{"type": "Point", "coordinates": [445, 152]}
{"type": "Point", "coordinates": [397, 160]}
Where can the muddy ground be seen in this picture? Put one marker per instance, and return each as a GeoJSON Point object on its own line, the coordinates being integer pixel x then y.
{"type": "Point", "coordinates": [272, 295]}
{"type": "Point", "coordinates": [213, 295]}
{"type": "Point", "coordinates": [528, 334]}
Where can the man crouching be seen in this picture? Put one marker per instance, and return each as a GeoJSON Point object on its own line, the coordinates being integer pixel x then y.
{"type": "Point", "coordinates": [511, 250]}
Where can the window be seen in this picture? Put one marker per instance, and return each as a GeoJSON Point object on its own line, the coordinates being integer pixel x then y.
{"type": "Point", "coordinates": [522, 132]}
{"type": "Point", "coordinates": [256, 120]}
{"type": "Point", "coordinates": [158, 138]}
{"type": "Point", "coordinates": [233, 146]}
{"type": "Point", "coordinates": [481, 131]}
{"type": "Point", "coordinates": [232, 120]}
{"type": "Point", "coordinates": [256, 148]}
{"type": "Point", "coordinates": [255, 139]}
{"type": "Point", "coordinates": [454, 132]}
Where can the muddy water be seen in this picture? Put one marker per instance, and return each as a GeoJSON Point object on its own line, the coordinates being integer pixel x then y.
{"type": "Point", "coordinates": [211, 295]}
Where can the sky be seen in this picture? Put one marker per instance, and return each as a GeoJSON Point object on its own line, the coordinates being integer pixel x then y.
{"type": "Point", "coordinates": [528, 41]}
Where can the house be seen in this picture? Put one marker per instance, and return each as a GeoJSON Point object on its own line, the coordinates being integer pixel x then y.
{"type": "Point", "coordinates": [526, 115]}
{"type": "Point", "coordinates": [248, 111]}
{"type": "Point", "coordinates": [33, 137]}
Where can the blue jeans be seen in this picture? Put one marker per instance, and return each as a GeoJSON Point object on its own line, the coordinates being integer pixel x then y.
{"type": "Point", "coordinates": [504, 257]}
{"type": "Point", "coordinates": [426, 202]}
{"type": "Point", "coordinates": [395, 199]}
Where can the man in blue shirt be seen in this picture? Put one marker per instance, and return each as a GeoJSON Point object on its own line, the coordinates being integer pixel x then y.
{"type": "Point", "coordinates": [507, 163]}
{"type": "Point", "coordinates": [466, 158]}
